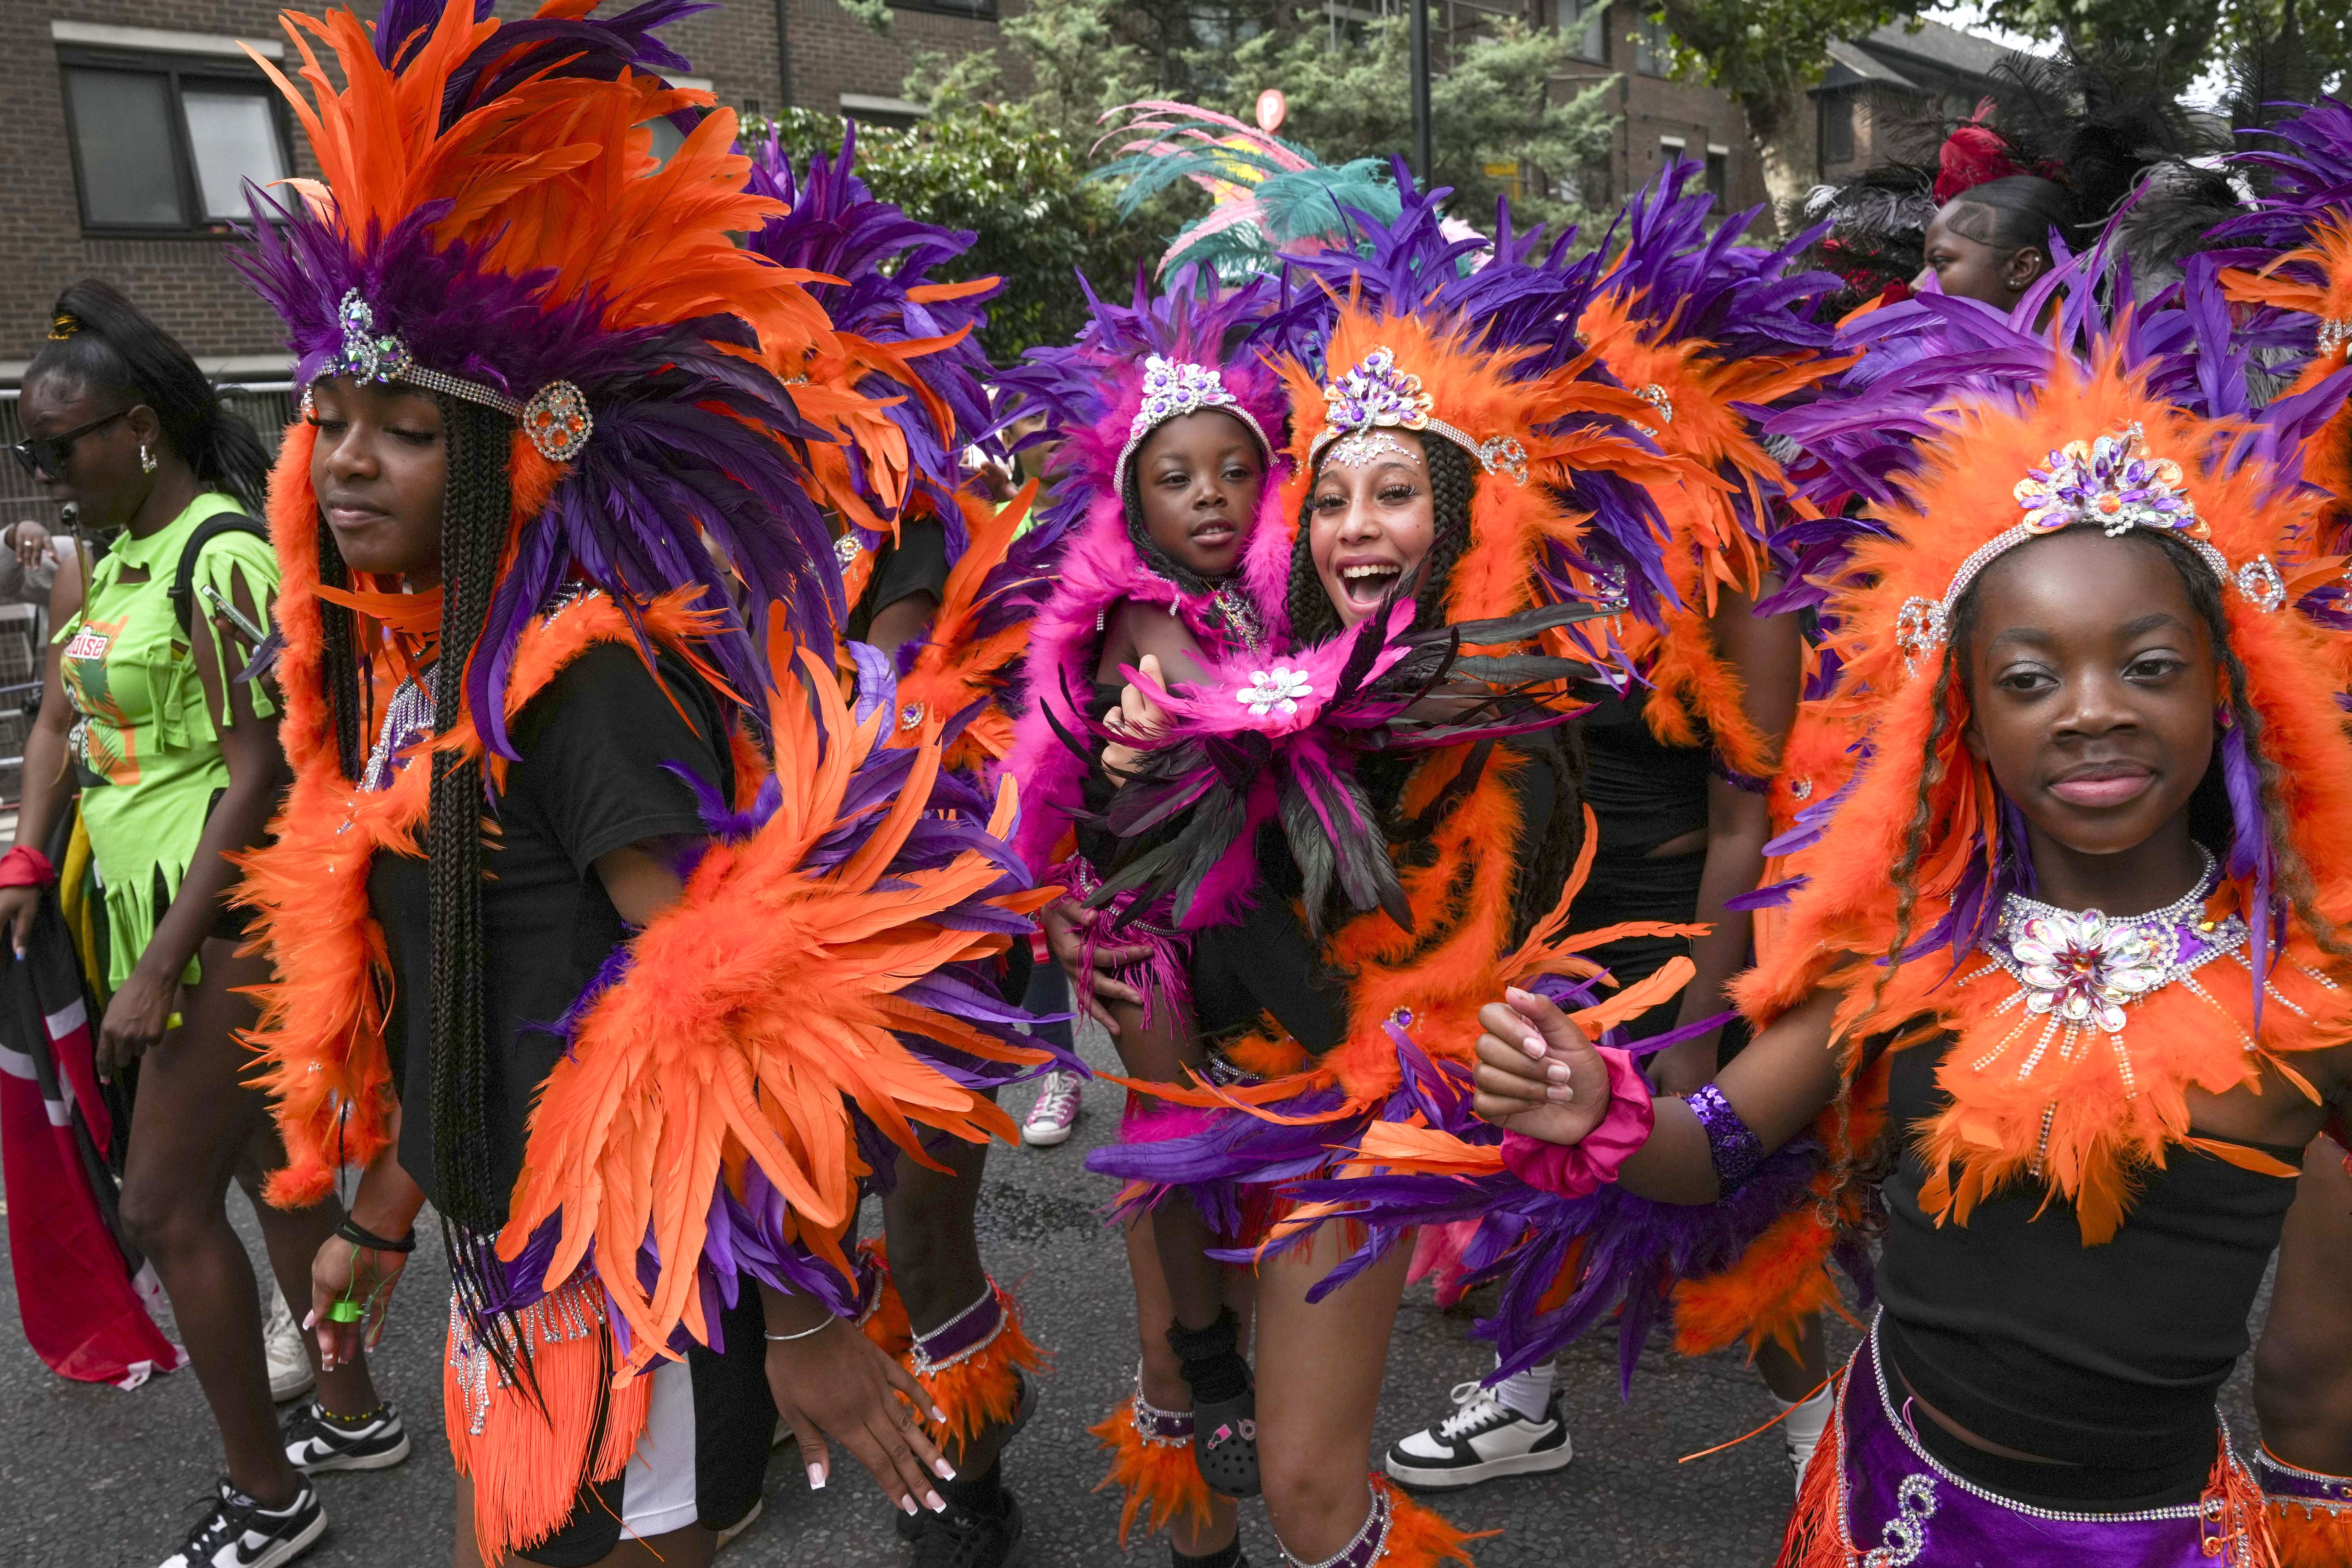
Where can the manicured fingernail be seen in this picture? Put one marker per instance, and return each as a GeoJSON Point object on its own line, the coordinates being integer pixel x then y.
{"type": "Point", "coordinates": [312, 1320]}
{"type": "Point", "coordinates": [937, 1413]}
{"type": "Point", "coordinates": [816, 1477]}
{"type": "Point", "coordinates": [908, 1503]}
{"type": "Point", "coordinates": [938, 1504]}
{"type": "Point", "coordinates": [946, 1470]}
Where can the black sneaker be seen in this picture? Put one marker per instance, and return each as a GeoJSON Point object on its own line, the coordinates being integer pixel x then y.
{"type": "Point", "coordinates": [317, 1442]}
{"type": "Point", "coordinates": [1482, 1439]}
{"type": "Point", "coordinates": [238, 1532]}
{"type": "Point", "coordinates": [961, 1538]}
{"type": "Point", "coordinates": [910, 1526]}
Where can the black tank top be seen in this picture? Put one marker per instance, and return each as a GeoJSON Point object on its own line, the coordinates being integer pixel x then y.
{"type": "Point", "coordinates": [2107, 1356]}
{"type": "Point", "coordinates": [1644, 792]}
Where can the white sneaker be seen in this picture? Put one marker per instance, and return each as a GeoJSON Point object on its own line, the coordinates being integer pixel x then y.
{"type": "Point", "coordinates": [290, 1376]}
{"type": "Point", "coordinates": [1482, 1439]}
{"type": "Point", "coordinates": [1056, 1112]}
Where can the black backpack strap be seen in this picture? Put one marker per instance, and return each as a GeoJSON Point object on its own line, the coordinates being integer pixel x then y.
{"type": "Point", "coordinates": [184, 579]}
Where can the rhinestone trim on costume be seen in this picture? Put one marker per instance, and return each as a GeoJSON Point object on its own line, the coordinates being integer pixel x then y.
{"type": "Point", "coordinates": [2114, 482]}
{"type": "Point", "coordinates": [1172, 388]}
{"type": "Point", "coordinates": [556, 418]}
{"type": "Point", "coordinates": [2335, 336]}
{"type": "Point", "coordinates": [572, 1311]}
{"type": "Point", "coordinates": [1376, 392]}
{"type": "Point", "coordinates": [959, 1336]}
{"type": "Point", "coordinates": [1160, 1428]}
{"type": "Point", "coordinates": [1939, 1474]}
{"type": "Point", "coordinates": [1369, 1544]}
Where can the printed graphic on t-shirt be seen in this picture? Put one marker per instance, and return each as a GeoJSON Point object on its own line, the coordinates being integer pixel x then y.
{"type": "Point", "coordinates": [106, 745]}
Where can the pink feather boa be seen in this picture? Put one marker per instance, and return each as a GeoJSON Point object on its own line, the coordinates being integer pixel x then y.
{"type": "Point", "coordinates": [1100, 571]}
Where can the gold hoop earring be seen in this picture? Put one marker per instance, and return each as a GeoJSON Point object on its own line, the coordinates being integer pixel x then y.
{"type": "Point", "coordinates": [146, 459]}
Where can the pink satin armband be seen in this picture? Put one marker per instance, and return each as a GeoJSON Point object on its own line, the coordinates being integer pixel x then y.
{"type": "Point", "coordinates": [24, 866]}
{"type": "Point", "coordinates": [1577, 1170]}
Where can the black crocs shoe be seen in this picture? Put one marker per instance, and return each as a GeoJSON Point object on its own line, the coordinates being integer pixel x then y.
{"type": "Point", "coordinates": [960, 1538]}
{"type": "Point", "coordinates": [1224, 1443]}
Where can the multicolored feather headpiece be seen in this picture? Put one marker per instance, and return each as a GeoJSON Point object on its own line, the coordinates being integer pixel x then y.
{"type": "Point", "coordinates": [1985, 434]}
{"type": "Point", "coordinates": [907, 341]}
{"type": "Point", "coordinates": [491, 224]}
{"type": "Point", "coordinates": [1406, 333]}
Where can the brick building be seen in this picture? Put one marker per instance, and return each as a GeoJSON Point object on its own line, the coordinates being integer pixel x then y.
{"type": "Point", "coordinates": [127, 126]}
{"type": "Point", "coordinates": [1883, 96]}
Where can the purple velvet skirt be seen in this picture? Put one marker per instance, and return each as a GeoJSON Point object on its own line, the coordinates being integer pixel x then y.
{"type": "Point", "coordinates": [1884, 1502]}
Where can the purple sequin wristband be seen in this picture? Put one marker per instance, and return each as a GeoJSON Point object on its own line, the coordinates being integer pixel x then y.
{"type": "Point", "coordinates": [1736, 1152]}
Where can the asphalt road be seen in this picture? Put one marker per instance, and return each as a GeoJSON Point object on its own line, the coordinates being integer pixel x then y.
{"type": "Point", "coordinates": [94, 1477]}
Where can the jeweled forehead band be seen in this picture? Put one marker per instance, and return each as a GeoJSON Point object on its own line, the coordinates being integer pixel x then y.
{"type": "Point", "coordinates": [1377, 393]}
{"type": "Point", "coordinates": [556, 417]}
{"type": "Point", "coordinates": [1172, 389]}
{"type": "Point", "coordinates": [2114, 482]}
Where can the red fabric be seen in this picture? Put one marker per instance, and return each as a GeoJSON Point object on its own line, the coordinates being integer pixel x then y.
{"type": "Point", "coordinates": [1575, 1171]}
{"type": "Point", "coordinates": [80, 1302]}
{"type": "Point", "coordinates": [24, 866]}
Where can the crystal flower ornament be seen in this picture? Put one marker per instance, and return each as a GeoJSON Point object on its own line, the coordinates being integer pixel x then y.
{"type": "Point", "coordinates": [2084, 968]}
{"type": "Point", "coordinates": [1279, 689]}
{"type": "Point", "coordinates": [2112, 481]}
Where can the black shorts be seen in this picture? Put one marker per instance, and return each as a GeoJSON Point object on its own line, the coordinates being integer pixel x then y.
{"type": "Point", "coordinates": [704, 1455]}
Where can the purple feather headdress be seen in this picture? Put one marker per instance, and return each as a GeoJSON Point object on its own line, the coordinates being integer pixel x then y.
{"type": "Point", "coordinates": [490, 254]}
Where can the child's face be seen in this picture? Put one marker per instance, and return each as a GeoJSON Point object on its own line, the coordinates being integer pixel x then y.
{"type": "Point", "coordinates": [1198, 478]}
{"type": "Point", "coordinates": [2092, 685]}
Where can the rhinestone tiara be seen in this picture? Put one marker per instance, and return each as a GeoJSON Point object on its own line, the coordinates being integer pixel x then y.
{"type": "Point", "coordinates": [2113, 481]}
{"type": "Point", "coordinates": [1172, 389]}
{"type": "Point", "coordinates": [1376, 392]}
{"type": "Point", "coordinates": [555, 418]}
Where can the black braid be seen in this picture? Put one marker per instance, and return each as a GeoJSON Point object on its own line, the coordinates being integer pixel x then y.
{"type": "Point", "coordinates": [338, 664]}
{"type": "Point", "coordinates": [473, 534]}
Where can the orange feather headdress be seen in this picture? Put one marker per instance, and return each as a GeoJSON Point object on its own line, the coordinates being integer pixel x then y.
{"type": "Point", "coordinates": [1709, 332]}
{"type": "Point", "coordinates": [491, 225]}
{"type": "Point", "coordinates": [1403, 336]}
{"type": "Point", "coordinates": [2294, 254]}
{"type": "Point", "coordinates": [1977, 473]}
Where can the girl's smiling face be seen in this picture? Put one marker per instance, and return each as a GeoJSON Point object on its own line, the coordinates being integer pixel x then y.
{"type": "Point", "coordinates": [1198, 478]}
{"type": "Point", "coordinates": [2093, 684]}
{"type": "Point", "coordinates": [1370, 522]}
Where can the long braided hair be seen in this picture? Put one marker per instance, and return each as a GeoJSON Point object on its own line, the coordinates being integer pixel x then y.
{"type": "Point", "coordinates": [1452, 486]}
{"type": "Point", "coordinates": [474, 518]}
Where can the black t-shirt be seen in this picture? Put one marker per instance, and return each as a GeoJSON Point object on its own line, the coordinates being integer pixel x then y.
{"type": "Point", "coordinates": [916, 563]}
{"type": "Point", "coordinates": [596, 746]}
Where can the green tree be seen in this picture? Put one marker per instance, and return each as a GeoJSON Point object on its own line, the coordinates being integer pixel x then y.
{"type": "Point", "coordinates": [1765, 54]}
{"type": "Point", "coordinates": [1019, 183]}
{"type": "Point", "coordinates": [1493, 109]}
{"type": "Point", "coordinates": [2295, 48]}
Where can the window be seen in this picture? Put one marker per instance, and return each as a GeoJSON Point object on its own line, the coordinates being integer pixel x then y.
{"type": "Point", "coordinates": [163, 145]}
{"type": "Point", "coordinates": [1837, 128]}
{"type": "Point", "coordinates": [1586, 23]}
{"type": "Point", "coordinates": [1652, 51]}
{"type": "Point", "coordinates": [1670, 148]}
{"type": "Point", "coordinates": [1719, 177]}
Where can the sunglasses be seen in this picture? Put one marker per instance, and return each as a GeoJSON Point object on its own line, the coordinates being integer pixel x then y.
{"type": "Point", "coordinates": [48, 454]}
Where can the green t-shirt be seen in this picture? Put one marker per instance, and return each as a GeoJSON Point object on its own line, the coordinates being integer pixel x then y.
{"type": "Point", "coordinates": [142, 742]}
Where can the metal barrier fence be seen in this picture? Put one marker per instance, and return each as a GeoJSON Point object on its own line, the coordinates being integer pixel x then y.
{"type": "Point", "coordinates": [269, 404]}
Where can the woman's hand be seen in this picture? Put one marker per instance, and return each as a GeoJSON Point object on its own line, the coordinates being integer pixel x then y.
{"type": "Point", "coordinates": [17, 908]}
{"type": "Point", "coordinates": [1137, 715]}
{"type": "Point", "coordinates": [345, 1271]}
{"type": "Point", "coordinates": [135, 1020]}
{"type": "Point", "coordinates": [837, 1383]}
{"type": "Point", "coordinates": [1065, 921]}
{"type": "Point", "coordinates": [30, 540]}
{"type": "Point", "coordinates": [1537, 1074]}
